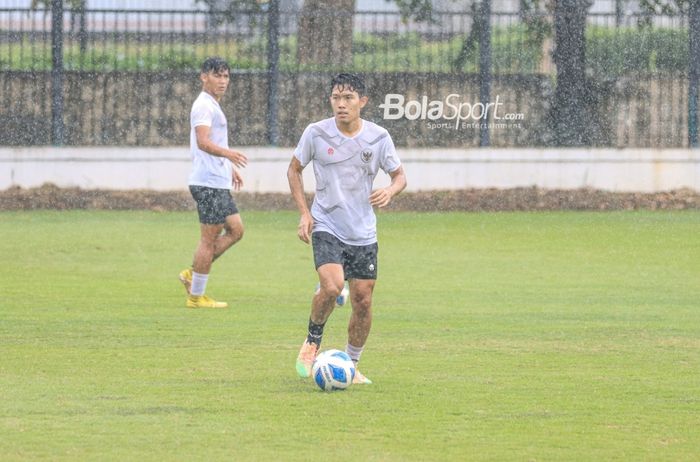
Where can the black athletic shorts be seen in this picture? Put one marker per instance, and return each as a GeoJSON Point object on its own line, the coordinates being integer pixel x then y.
{"type": "Point", "coordinates": [213, 205]}
{"type": "Point", "coordinates": [359, 261]}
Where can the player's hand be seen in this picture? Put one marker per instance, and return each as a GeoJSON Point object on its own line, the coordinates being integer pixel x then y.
{"type": "Point", "coordinates": [237, 181]}
{"type": "Point", "coordinates": [380, 197]}
{"type": "Point", "coordinates": [238, 158]}
{"type": "Point", "coordinates": [306, 222]}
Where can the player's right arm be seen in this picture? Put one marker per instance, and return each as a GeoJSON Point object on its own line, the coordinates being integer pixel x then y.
{"type": "Point", "coordinates": [207, 145]}
{"type": "Point", "coordinates": [296, 186]}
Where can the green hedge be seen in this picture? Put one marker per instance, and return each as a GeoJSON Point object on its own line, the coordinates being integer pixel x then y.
{"type": "Point", "coordinates": [616, 51]}
{"type": "Point", "coordinates": [609, 52]}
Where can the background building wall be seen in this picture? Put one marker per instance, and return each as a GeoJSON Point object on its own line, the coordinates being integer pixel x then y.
{"type": "Point", "coordinates": [167, 169]}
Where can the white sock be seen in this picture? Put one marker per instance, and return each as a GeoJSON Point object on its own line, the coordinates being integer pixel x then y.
{"type": "Point", "coordinates": [354, 352]}
{"type": "Point", "coordinates": [199, 283]}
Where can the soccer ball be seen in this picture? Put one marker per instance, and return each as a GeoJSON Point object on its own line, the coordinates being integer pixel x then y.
{"type": "Point", "coordinates": [333, 370]}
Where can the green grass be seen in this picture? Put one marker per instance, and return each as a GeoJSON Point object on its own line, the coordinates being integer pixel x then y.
{"type": "Point", "coordinates": [512, 336]}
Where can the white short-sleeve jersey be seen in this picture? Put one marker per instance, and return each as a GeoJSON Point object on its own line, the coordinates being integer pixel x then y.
{"type": "Point", "coordinates": [208, 170]}
{"type": "Point", "coordinates": [345, 169]}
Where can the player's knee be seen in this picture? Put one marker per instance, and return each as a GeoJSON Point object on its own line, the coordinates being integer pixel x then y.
{"type": "Point", "coordinates": [332, 289]}
{"type": "Point", "coordinates": [361, 300]}
{"type": "Point", "coordinates": [235, 233]}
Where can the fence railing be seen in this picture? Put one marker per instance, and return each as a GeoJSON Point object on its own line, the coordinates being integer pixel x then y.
{"type": "Point", "coordinates": [639, 69]}
{"type": "Point", "coordinates": [153, 40]}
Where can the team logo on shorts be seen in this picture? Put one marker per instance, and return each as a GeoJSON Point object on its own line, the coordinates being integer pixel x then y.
{"type": "Point", "coordinates": [366, 155]}
{"type": "Point", "coordinates": [330, 151]}
{"type": "Point", "coordinates": [371, 266]}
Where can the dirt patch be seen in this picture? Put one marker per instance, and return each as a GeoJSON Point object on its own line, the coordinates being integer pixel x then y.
{"type": "Point", "coordinates": [471, 200]}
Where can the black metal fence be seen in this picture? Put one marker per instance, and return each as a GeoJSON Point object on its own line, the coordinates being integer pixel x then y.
{"type": "Point", "coordinates": [638, 66]}
{"type": "Point", "coordinates": [153, 40]}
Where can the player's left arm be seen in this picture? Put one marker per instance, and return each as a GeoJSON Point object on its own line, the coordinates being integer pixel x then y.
{"type": "Point", "coordinates": [381, 197]}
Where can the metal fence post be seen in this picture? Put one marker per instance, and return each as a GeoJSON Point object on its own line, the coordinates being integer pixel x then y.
{"type": "Point", "coordinates": [273, 57]}
{"type": "Point", "coordinates": [485, 69]}
{"type": "Point", "coordinates": [57, 128]}
{"type": "Point", "coordinates": [694, 72]}
{"type": "Point", "coordinates": [82, 29]}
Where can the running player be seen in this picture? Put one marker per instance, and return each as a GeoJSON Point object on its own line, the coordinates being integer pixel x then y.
{"type": "Point", "coordinates": [347, 153]}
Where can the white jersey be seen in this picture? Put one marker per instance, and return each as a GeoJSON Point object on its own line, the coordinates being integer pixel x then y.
{"type": "Point", "coordinates": [345, 169]}
{"type": "Point", "coordinates": [208, 170]}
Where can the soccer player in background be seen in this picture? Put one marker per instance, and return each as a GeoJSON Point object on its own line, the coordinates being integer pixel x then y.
{"type": "Point", "coordinates": [213, 175]}
{"type": "Point", "coordinates": [347, 152]}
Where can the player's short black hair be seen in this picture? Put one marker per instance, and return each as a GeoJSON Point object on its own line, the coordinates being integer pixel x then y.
{"type": "Point", "coordinates": [215, 64]}
{"type": "Point", "coordinates": [353, 82]}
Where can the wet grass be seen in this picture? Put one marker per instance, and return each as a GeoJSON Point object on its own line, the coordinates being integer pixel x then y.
{"type": "Point", "coordinates": [511, 336]}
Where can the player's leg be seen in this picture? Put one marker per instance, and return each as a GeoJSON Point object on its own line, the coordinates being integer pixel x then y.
{"type": "Point", "coordinates": [328, 255]}
{"type": "Point", "coordinates": [361, 270]}
{"type": "Point", "coordinates": [361, 318]}
{"type": "Point", "coordinates": [204, 254]}
{"type": "Point", "coordinates": [341, 299]}
{"type": "Point", "coordinates": [360, 322]}
{"type": "Point", "coordinates": [212, 219]}
{"type": "Point", "coordinates": [233, 232]}
{"type": "Point", "coordinates": [331, 282]}
{"type": "Point", "coordinates": [201, 266]}
{"type": "Point", "coordinates": [233, 225]}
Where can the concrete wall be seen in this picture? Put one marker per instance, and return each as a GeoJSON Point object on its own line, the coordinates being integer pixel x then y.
{"type": "Point", "coordinates": [639, 170]}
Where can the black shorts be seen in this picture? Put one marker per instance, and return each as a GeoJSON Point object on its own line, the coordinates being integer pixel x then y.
{"type": "Point", "coordinates": [359, 261]}
{"type": "Point", "coordinates": [213, 205]}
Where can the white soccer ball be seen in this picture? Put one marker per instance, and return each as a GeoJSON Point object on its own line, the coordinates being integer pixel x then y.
{"type": "Point", "coordinates": [333, 370]}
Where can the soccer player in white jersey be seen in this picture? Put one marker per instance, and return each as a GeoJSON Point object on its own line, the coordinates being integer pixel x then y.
{"type": "Point", "coordinates": [347, 152]}
{"type": "Point", "coordinates": [213, 175]}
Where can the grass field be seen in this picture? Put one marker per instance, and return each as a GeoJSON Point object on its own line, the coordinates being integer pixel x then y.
{"type": "Point", "coordinates": [511, 336]}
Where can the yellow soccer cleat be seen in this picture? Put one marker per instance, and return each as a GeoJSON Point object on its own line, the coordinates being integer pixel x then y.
{"type": "Point", "coordinates": [306, 358]}
{"type": "Point", "coordinates": [202, 301]}
{"type": "Point", "coordinates": [186, 279]}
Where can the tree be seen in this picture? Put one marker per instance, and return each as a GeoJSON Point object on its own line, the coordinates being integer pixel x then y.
{"type": "Point", "coordinates": [570, 114]}
{"type": "Point", "coordinates": [325, 33]}
{"type": "Point", "coordinates": [664, 7]}
{"type": "Point", "coordinates": [420, 10]}
{"type": "Point", "coordinates": [326, 27]}
{"type": "Point", "coordinates": [74, 4]}
{"type": "Point", "coordinates": [225, 11]}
